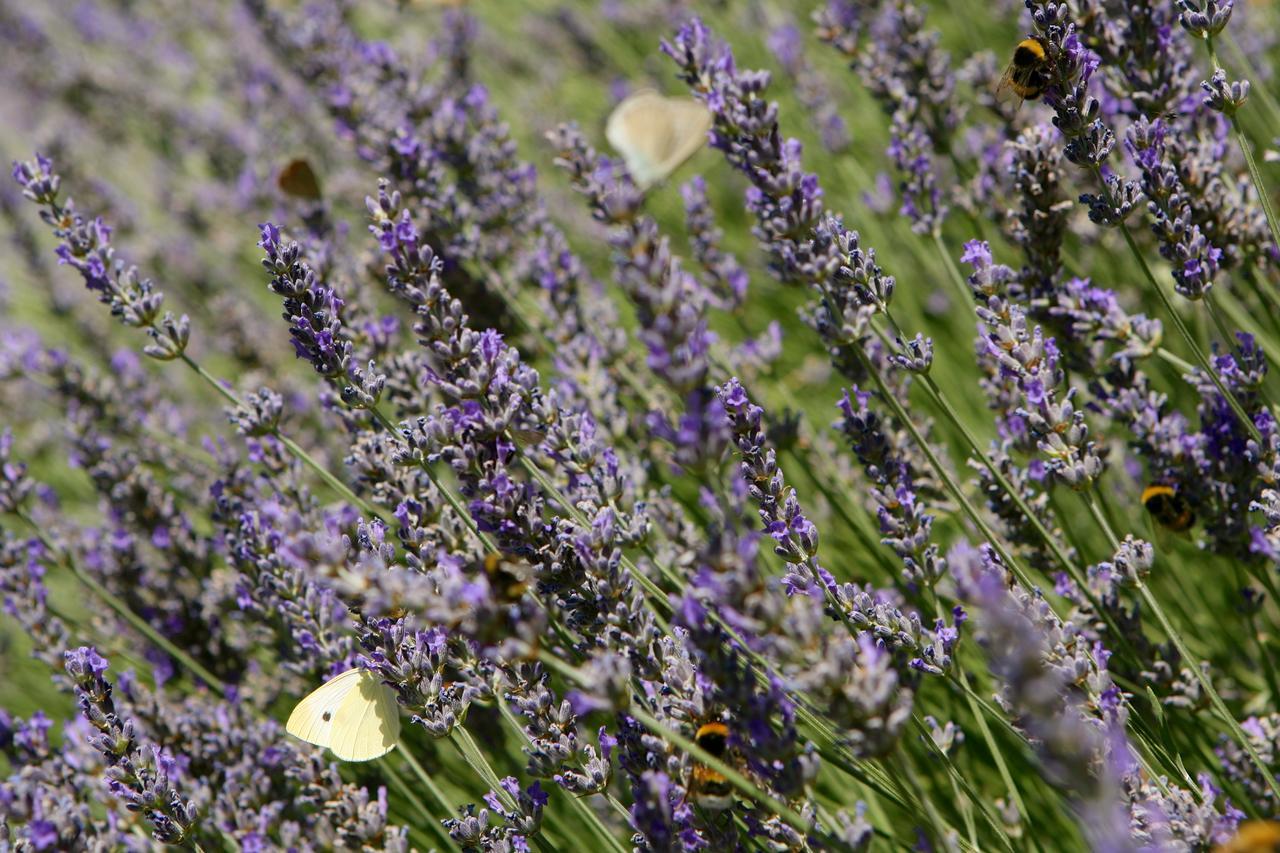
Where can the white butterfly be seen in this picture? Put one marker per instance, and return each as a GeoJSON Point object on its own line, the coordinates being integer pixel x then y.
{"type": "Point", "coordinates": [656, 134]}
{"type": "Point", "coordinates": [353, 714]}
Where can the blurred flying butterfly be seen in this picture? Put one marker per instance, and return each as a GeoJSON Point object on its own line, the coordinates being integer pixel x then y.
{"type": "Point", "coordinates": [656, 134]}
{"type": "Point", "coordinates": [353, 715]}
{"type": "Point", "coordinates": [299, 180]}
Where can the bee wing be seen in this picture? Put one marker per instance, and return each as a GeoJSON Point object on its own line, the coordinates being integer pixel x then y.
{"type": "Point", "coordinates": [1004, 90]}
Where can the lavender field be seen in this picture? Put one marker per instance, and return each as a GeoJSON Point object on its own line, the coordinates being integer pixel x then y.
{"type": "Point", "coordinates": [640, 425]}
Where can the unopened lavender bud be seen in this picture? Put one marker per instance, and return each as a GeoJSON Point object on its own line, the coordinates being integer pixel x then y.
{"type": "Point", "coordinates": [1113, 206]}
{"type": "Point", "coordinates": [1225, 96]}
{"type": "Point", "coordinates": [1207, 19]}
{"type": "Point", "coordinates": [258, 413]}
{"type": "Point", "coordinates": [15, 487]}
{"type": "Point", "coordinates": [1133, 559]}
{"type": "Point", "coordinates": [169, 338]}
{"type": "Point", "coordinates": [915, 355]}
{"type": "Point", "coordinates": [365, 389]}
{"type": "Point", "coordinates": [37, 179]}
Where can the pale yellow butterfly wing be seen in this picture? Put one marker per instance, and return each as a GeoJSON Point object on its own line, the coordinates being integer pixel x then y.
{"type": "Point", "coordinates": [655, 134]}
{"type": "Point", "coordinates": [353, 714]}
{"type": "Point", "coordinates": [690, 121]}
{"type": "Point", "coordinates": [367, 722]}
{"type": "Point", "coordinates": [312, 718]}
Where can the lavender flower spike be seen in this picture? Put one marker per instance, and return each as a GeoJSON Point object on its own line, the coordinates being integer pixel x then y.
{"type": "Point", "coordinates": [138, 772]}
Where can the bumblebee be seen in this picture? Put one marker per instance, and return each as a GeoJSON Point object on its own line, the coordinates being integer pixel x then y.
{"type": "Point", "coordinates": [1167, 507]}
{"type": "Point", "coordinates": [299, 180]}
{"type": "Point", "coordinates": [1028, 73]}
{"type": "Point", "coordinates": [509, 578]}
{"type": "Point", "coordinates": [1254, 836]}
{"type": "Point", "coordinates": [707, 787]}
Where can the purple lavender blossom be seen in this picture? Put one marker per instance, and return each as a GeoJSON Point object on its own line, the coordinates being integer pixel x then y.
{"type": "Point", "coordinates": [139, 772]}
{"type": "Point", "coordinates": [86, 246]}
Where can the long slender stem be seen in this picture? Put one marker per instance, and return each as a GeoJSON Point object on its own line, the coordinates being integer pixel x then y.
{"type": "Point", "coordinates": [1268, 667]}
{"type": "Point", "coordinates": [405, 791]}
{"type": "Point", "coordinates": [1263, 92]}
{"type": "Point", "coordinates": [970, 799]}
{"type": "Point", "coordinates": [1193, 661]}
{"type": "Point", "coordinates": [1264, 301]}
{"type": "Point", "coordinates": [953, 273]}
{"type": "Point", "coordinates": [996, 754]}
{"type": "Point", "coordinates": [898, 762]}
{"type": "Point", "coordinates": [1246, 149]}
{"type": "Point", "coordinates": [1181, 326]}
{"type": "Point", "coordinates": [424, 777]}
{"type": "Point", "coordinates": [1177, 361]}
{"type": "Point", "coordinates": [1228, 339]}
{"type": "Point", "coordinates": [123, 610]}
{"type": "Point", "coordinates": [292, 446]}
{"type": "Point", "coordinates": [1256, 175]}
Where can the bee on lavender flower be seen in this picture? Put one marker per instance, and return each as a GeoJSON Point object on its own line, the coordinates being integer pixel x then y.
{"type": "Point", "coordinates": [1254, 836]}
{"type": "Point", "coordinates": [508, 577]}
{"type": "Point", "coordinates": [1168, 507]}
{"type": "Point", "coordinates": [708, 787]}
{"type": "Point", "coordinates": [1028, 72]}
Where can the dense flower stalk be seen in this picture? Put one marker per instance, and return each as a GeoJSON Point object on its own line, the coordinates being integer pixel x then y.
{"type": "Point", "coordinates": [1023, 354]}
{"type": "Point", "coordinates": [86, 245]}
{"type": "Point", "coordinates": [910, 76]}
{"type": "Point", "coordinates": [814, 91]}
{"type": "Point", "coordinates": [727, 279]}
{"type": "Point", "coordinates": [139, 772]}
{"type": "Point", "coordinates": [1039, 693]}
{"type": "Point", "coordinates": [671, 305]}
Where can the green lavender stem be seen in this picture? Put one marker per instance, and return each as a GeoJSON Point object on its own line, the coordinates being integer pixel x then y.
{"type": "Point", "coordinates": [1193, 661]}
{"type": "Point", "coordinates": [1181, 326]}
{"type": "Point", "coordinates": [295, 449]}
{"type": "Point", "coordinates": [953, 273]}
{"type": "Point", "coordinates": [405, 791]}
{"type": "Point", "coordinates": [123, 610]}
{"type": "Point", "coordinates": [1247, 150]}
